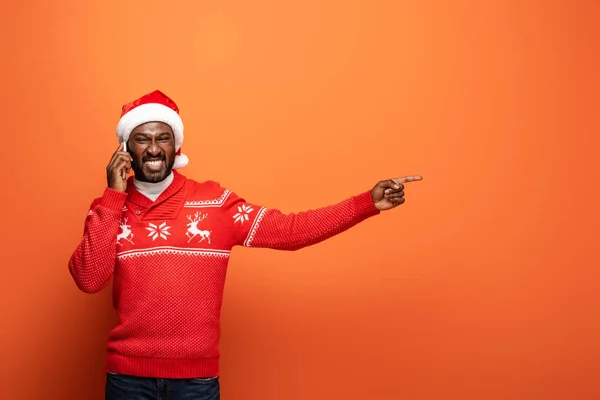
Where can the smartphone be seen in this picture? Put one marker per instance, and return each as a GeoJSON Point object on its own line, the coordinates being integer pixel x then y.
{"type": "Point", "coordinates": [124, 149]}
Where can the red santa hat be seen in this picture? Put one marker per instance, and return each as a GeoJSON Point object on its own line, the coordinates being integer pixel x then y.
{"type": "Point", "coordinates": [153, 107]}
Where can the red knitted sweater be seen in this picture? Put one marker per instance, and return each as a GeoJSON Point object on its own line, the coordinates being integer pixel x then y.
{"type": "Point", "coordinates": [168, 259]}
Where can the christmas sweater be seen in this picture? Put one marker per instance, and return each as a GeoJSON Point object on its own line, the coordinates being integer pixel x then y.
{"type": "Point", "coordinates": [168, 261]}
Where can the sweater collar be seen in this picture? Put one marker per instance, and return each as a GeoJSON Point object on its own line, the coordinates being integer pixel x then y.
{"type": "Point", "coordinates": [134, 195]}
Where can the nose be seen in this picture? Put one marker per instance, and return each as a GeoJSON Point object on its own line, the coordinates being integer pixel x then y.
{"type": "Point", "coordinates": [153, 150]}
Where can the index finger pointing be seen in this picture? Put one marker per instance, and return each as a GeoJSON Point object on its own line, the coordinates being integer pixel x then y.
{"type": "Point", "coordinates": [408, 179]}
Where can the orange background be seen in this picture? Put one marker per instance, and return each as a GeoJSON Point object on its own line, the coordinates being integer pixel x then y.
{"type": "Point", "coordinates": [484, 285]}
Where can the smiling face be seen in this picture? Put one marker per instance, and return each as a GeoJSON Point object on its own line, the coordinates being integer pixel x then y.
{"type": "Point", "coordinates": [152, 147]}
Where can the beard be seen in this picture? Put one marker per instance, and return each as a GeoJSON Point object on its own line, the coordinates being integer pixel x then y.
{"type": "Point", "coordinates": [144, 174]}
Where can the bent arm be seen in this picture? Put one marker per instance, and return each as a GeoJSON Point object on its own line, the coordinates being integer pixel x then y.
{"type": "Point", "coordinates": [93, 262]}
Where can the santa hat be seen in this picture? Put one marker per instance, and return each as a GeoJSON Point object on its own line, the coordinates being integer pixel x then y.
{"type": "Point", "coordinates": [153, 107]}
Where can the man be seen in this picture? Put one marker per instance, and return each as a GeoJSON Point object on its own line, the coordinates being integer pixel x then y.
{"type": "Point", "coordinates": [166, 242]}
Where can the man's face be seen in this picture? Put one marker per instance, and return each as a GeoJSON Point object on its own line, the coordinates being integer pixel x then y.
{"type": "Point", "coordinates": [152, 147]}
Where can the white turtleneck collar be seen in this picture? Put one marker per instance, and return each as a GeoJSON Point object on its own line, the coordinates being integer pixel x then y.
{"type": "Point", "coordinates": [153, 190]}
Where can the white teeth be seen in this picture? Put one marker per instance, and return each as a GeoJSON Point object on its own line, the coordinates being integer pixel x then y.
{"type": "Point", "coordinates": [154, 163]}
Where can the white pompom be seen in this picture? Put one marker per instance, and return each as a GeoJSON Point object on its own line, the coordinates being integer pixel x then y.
{"type": "Point", "coordinates": [180, 161]}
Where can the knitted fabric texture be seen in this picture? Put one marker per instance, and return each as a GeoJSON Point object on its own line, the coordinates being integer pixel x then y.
{"type": "Point", "coordinates": [168, 259]}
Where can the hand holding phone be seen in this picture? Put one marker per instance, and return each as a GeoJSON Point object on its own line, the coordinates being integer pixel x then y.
{"type": "Point", "coordinates": [119, 165]}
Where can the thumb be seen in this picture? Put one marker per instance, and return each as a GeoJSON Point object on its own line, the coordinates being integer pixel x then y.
{"type": "Point", "coordinates": [389, 184]}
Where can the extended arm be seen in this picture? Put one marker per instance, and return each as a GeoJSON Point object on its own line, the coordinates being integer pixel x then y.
{"type": "Point", "coordinates": [273, 229]}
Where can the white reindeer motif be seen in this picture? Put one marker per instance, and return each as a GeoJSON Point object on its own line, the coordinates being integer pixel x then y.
{"type": "Point", "coordinates": [193, 230]}
{"type": "Point", "coordinates": [125, 232]}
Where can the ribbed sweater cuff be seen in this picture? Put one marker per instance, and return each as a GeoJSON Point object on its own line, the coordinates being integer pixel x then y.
{"type": "Point", "coordinates": [166, 368]}
{"type": "Point", "coordinates": [365, 207]}
{"type": "Point", "coordinates": [113, 199]}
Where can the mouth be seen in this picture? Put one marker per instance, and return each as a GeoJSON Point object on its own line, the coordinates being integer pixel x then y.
{"type": "Point", "coordinates": [154, 165]}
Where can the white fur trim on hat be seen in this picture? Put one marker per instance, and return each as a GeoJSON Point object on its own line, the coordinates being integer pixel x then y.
{"type": "Point", "coordinates": [154, 112]}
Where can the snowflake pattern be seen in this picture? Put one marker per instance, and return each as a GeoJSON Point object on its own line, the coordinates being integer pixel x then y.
{"type": "Point", "coordinates": [242, 214]}
{"type": "Point", "coordinates": [161, 230]}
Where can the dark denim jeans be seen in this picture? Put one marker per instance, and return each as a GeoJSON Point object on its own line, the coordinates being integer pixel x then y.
{"type": "Point", "coordinates": [125, 387]}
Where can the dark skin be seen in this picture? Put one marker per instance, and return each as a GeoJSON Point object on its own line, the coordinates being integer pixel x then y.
{"type": "Point", "coordinates": [389, 193]}
{"type": "Point", "coordinates": [151, 154]}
